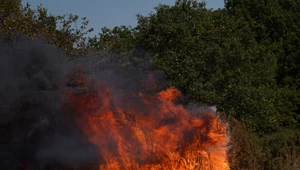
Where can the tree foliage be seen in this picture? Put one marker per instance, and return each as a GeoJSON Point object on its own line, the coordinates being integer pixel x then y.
{"type": "Point", "coordinates": [215, 58]}
{"type": "Point", "coordinates": [17, 21]}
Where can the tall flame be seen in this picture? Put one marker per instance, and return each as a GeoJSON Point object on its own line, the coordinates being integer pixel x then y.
{"type": "Point", "coordinates": [150, 132]}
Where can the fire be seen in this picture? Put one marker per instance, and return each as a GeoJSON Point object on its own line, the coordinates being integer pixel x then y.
{"type": "Point", "coordinates": [138, 131]}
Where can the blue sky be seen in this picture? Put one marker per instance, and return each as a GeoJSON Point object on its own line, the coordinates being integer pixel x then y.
{"type": "Point", "coordinates": [108, 13]}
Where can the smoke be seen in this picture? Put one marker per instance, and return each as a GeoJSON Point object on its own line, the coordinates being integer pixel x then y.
{"type": "Point", "coordinates": [32, 124]}
{"type": "Point", "coordinates": [126, 73]}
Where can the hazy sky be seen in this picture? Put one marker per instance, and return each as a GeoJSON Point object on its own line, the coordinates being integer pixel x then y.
{"type": "Point", "coordinates": [108, 13]}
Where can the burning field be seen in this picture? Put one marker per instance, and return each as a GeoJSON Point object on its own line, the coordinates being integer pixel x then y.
{"type": "Point", "coordinates": [58, 116]}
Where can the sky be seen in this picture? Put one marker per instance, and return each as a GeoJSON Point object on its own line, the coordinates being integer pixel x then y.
{"type": "Point", "coordinates": [108, 13]}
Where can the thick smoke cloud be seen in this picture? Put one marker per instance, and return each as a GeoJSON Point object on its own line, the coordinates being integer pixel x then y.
{"type": "Point", "coordinates": [32, 124]}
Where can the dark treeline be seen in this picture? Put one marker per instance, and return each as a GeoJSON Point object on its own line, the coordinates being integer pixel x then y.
{"type": "Point", "coordinates": [244, 58]}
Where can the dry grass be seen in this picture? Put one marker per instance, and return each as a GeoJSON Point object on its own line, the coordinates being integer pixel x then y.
{"type": "Point", "coordinates": [245, 156]}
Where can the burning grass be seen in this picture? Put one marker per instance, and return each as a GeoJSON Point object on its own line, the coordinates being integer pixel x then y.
{"type": "Point", "coordinates": [141, 131]}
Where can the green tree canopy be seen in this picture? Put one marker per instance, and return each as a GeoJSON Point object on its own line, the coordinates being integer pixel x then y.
{"type": "Point", "coordinates": [16, 21]}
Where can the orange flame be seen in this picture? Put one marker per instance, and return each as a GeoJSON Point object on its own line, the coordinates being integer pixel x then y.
{"type": "Point", "coordinates": [142, 132]}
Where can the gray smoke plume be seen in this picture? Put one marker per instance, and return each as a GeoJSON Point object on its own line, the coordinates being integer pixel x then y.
{"type": "Point", "coordinates": [32, 125]}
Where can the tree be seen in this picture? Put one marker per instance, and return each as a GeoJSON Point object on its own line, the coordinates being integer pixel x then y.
{"type": "Point", "coordinates": [17, 21]}
{"type": "Point", "coordinates": [208, 56]}
{"type": "Point", "coordinates": [275, 22]}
